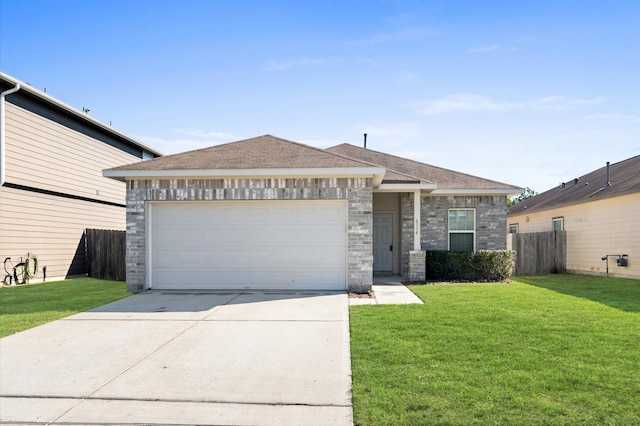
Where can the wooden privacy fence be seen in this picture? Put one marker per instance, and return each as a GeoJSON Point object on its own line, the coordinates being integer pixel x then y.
{"type": "Point", "coordinates": [540, 252]}
{"type": "Point", "coordinates": [105, 251]}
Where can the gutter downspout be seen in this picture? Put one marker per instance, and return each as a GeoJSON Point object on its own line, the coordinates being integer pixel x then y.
{"type": "Point", "coordinates": [2, 131]}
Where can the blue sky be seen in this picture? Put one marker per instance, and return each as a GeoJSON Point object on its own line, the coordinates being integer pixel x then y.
{"type": "Point", "coordinates": [530, 93]}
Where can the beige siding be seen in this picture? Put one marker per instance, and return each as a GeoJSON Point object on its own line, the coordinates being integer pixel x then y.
{"type": "Point", "coordinates": [610, 226]}
{"type": "Point", "coordinates": [50, 227]}
{"type": "Point", "coordinates": [46, 155]}
{"type": "Point", "coordinates": [43, 154]}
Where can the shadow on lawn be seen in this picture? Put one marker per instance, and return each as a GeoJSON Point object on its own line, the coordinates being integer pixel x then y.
{"type": "Point", "coordinates": [619, 293]}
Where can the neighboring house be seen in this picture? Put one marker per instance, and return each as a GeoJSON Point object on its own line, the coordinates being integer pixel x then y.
{"type": "Point", "coordinates": [598, 211]}
{"type": "Point", "coordinates": [52, 188]}
{"type": "Point", "coordinates": [267, 213]}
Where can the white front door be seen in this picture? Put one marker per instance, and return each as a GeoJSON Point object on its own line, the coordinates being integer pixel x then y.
{"type": "Point", "coordinates": [383, 242]}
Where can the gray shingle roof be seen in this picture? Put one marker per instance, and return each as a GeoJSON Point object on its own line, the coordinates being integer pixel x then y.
{"type": "Point", "coordinates": [270, 152]}
{"type": "Point", "coordinates": [444, 178]}
{"type": "Point", "coordinates": [262, 152]}
{"type": "Point", "coordinates": [624, 179]}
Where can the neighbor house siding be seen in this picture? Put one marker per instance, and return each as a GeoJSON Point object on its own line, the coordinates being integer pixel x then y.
{"type": "Point", "coordinates": [593, 229]}
{"type": "Point", "coordinates": [54, 190]}
{"type": "Point", "coordinates": [43, 154]}
{"type": "Point", "coordinates": [357, 191]}
{"type": "Point", "coordinates": [52, 228]}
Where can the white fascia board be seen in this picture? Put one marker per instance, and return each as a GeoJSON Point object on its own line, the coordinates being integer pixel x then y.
{"type": "Point", "coordinates": [373, 172]}
{"type": "Point", "coordinates": [405, 187]}
{"type": "Point", "coordinates": [507, 192]}
{"type": "Point", "coordinates": [50, 99]}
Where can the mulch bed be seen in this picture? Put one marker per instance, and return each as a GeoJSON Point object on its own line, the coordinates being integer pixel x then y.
{"type": "Point", "coordinates": [369, 295]}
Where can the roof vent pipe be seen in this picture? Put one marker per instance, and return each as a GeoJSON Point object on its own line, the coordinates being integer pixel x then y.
{"type": "Point", "coordinates": [608, 183]}
{"type": "Point", "coordinates": [365, 141]}
{"type": "Point", "coordinates": [2, 131]}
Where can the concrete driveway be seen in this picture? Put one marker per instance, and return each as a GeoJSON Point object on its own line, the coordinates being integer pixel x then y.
{"type": "Point", "coordinates": [211, 358]}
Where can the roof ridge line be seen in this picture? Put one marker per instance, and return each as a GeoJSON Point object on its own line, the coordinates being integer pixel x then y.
{"type": "Point", "coordinates": [426, 164]}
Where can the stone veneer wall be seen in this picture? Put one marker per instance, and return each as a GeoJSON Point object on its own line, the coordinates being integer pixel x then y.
{"type": "Point", "coordinates": [406, 228]}
{"type": "Point", "coordinates": [417, 266]}
{"type": "Point", "coordinates": [357, 191]}
{"type": "Point", "coordinates": [491, 222]}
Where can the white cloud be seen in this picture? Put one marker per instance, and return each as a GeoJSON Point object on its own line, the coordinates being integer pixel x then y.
{"type": "Point", "coordinates": [560, 103]}
{"type": "Point", "coordinates": [407, 77]}
{"type": "Point", "coordinates": [492, 48]}
{"type": "Point", "coordinates": [485, 49]}
{"type": "Point", "coordinates": [391, 130]}
{"type": "Point", "coordinates": [204, 134]}
{"type": "Point", "coordinates": [615, 118]}
{"type": "Point", "coordinates": [276, 65]}
{"type": "Point", "coordinates": [471, 102]}
{"type": "Point", "coordinates": [173, 145]}
{"type": "Point", "coordinates": [406, 34]}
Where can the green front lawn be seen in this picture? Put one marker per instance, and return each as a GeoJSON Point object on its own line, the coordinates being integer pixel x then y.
{"type": "Point", "coordinates": [26, 306]}
{"type": "Point", "coordinates": [543, 350]}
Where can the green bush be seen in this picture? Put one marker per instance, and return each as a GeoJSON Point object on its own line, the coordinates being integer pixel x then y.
{"type": "Point", "coordinates": [461, 264]}
{"type": "Point", "coordinates": [438, 265]}
{"type": "Point", "coordinates": [488, 265]}
{"type": "Point", "coordinates": [494, 265]}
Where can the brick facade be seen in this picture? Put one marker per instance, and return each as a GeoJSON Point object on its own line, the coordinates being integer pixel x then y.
{"type": "Point", "coordinates": [491, 222]}
{"type": "Point", "coordinates": [491, 217]}
{"type": "Point", "coordinates": [357, 191]}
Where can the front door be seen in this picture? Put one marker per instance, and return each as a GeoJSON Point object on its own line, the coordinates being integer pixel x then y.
{"type": "Point", "coordinates": [382, 242]}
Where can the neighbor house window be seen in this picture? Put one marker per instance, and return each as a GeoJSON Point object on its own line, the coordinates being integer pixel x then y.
{"type": "Point", "coordinates": [462, 229]}
{"type": "Point", "coordinates": [558, 224]}
{"type": "Point", "coordinates": [513, 229]}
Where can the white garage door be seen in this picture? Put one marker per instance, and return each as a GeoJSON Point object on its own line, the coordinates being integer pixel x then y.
{"type": "Point", "coordinates": [248, 245]}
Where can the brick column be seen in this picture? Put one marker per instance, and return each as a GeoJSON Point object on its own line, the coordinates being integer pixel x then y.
{"type": "Point", "coordinates": [417, 266]}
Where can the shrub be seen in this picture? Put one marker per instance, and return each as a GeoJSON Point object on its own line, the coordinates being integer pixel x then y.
{"type": "Point", "coordinates": [461, 264]}
{"type": "Point", "coordinates": [494, 265]}
{"type": "Point", "coordinates": [438, 265]}
{"type": "Point", "coordinates": [489, 265]}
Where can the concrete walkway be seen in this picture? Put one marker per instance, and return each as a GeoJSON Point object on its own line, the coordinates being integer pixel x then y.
{"type": "Point", "coordinates": [160, 358]}
{"type": "Point", "coordinates": [388, 290]}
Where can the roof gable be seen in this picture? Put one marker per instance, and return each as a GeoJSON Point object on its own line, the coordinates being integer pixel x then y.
{"type": "Point", "coordinates": [262, 152]}
{"type": "Point", "coordinates": [624, 178]}
{"type": "Point", "coordinates": [443, 178]}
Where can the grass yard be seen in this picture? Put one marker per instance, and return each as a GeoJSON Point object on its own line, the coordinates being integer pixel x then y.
{"type": "Point", "coordinates": [26, 306]}
{"type": "Point", "coordinates": [543, 350]}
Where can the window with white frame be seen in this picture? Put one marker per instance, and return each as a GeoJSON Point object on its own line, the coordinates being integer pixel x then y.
{"type": "Point", "coordinates": [558, 224]}
{"type": "Point", "coordinates": [513, 228]}
{"type": "Point", "coordinates": [462, 229]}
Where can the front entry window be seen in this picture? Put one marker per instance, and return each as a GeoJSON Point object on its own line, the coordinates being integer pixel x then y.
{"type": "Point", "coordinates": [462, 229]}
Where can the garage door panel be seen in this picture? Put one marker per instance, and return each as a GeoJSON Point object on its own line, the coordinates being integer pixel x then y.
{"type": "Point", "coordinates": [330, 214]}
{"type": "Point", "coordinates": [209, 232]}
{"type": "Point", "coordinates": [173, 259]}
{"type": "Point", "coordinates": [214, 217]}
{"type": "Point", "coordinates": [249, 244]}
{"type": "Point", "coordinates": [262, 235]}
{"type": "Point", "coordinates": [166, 235]}
{"type": "Point", "coordinates": [165, 277]}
